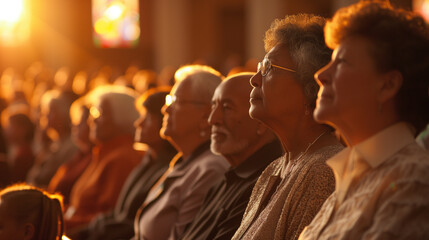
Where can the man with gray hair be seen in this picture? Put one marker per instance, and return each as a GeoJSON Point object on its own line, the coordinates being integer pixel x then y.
{"type": "Point", "coordinates": [177, 196]}
{"type": "Point", "coordinates": [249, 147]}
{"type": "Point", "coordinates": [112, 114]}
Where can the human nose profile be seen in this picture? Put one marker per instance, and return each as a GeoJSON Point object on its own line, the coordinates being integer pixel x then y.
{"type": "Point", "coordinates": [255, 80]}
{"type": "Point", "coordinates": [322, 76]}
{"type": "Point", "coordinates": [214, 117]}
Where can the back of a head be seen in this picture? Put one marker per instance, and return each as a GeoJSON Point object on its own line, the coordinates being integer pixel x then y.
{"type": "Point", "coordinates": [302, 35]}
{"type": "Point", "coordinates": [203, 80]}
{"type": "Point", "coordinates": [59, 100]}
{"type": "Point", "coordinates": [121, 100]}
{"type": "Point", "coordinates": [27, 204]}
{"type": "Point", "coordinates": [18, 114]}
{"type": "Point", "coordinates": [153, 99]}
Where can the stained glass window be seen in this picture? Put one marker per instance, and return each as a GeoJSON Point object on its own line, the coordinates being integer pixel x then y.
{"type": "Point", "coordinates": [115, 23]}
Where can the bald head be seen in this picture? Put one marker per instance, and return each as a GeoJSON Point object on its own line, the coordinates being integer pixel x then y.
{"type": "Point", "coordinates": [234, 134]}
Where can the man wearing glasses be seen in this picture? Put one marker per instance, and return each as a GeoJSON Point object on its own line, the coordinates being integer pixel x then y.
{"type": "Point", "coordinates": [177, 196]}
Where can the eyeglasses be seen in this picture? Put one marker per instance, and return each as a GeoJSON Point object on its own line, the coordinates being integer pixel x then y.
{"type": "Point", "coordinates": [171, 99]}
{"type": "Point", "coordinates": [265, 66]}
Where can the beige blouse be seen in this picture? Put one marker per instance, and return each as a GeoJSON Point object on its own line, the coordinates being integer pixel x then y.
{"type": "Point", "coordinates": [281, 208]}
{"type": "Point", "coordinates": [382, 191]}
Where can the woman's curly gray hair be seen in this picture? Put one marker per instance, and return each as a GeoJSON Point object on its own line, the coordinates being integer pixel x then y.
{"type": "Point", "coordinates": [302, 35]}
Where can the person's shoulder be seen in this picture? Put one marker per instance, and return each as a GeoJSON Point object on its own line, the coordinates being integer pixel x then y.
{"type": "Point", "coordinates": [411, 162]}
{"type": "Point", "coordinates": [274, 166]}
{"type": "Point", "coordinates": [326, 152]}
{"type": "Point", "coordinates": [317, 160]}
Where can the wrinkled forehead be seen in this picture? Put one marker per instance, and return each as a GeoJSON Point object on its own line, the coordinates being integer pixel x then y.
{"type": "Point", "coordinates": [183, 88]}
{"type": "Point", "coordinates": [280, 53]}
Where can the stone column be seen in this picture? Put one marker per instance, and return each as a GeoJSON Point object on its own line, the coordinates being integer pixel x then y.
{"type": "Point", "coordinates": [260, 14]}
{"type": "Point", "coordinates": [171, 33]}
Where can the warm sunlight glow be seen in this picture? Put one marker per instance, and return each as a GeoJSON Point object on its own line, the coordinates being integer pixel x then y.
{"type": "Point", "coordinates": [11, 11]}
{"type": "Point", "coordinates": [14, 22]}
{"type": "Point", "coordinates": [116, 23]}
{"type": "Point", "coordinates": [103, 26]}
{"type": "Point", "coordinates": [422, 7]}
{"type": "Point", "coordinates": [168, 100]}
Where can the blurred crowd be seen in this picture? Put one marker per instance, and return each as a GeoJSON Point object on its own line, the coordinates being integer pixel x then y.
{"type": "Point", "coordinates": [325, 138]}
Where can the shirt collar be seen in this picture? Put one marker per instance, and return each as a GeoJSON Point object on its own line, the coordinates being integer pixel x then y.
{"type": "Point", "coordinates": [376, 149]}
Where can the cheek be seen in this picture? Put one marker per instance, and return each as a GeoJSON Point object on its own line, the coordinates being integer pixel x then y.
{"type": "Point", "coordinates": [150, 129]}
{"type": "Point", "coordinates": [357, 92]}
{"type": "Point", "coordinates": [270, 94]}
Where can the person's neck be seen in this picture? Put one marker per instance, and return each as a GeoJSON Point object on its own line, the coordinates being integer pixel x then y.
{"type": "Point", "coordinates": [299, 139]}
{"type": "Point", "coordinates": [188, 147]}
{"type": "Point", "coordinates": [356, 130]}
{"type": "Point", "coordinates": [237, 159]}
{"type": "Point", "coordinates": [354, 135]}
{"type": "Point", "coordinates": [155, 149]}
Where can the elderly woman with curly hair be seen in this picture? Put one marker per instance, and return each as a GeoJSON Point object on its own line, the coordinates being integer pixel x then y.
{"type": "Point", "coordinates": [292, 189]}
{"type": "Point", "coordinates": [375, 93]}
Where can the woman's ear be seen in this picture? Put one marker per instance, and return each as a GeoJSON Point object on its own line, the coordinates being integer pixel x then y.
{"type": "Point", "coordinates": [391, 83]}
{"type": "Point", "coordinates": [29, 231]}
{"type": "Point", "coordinates": [261, 129]}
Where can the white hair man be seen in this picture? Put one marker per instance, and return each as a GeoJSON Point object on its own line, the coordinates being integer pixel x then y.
{"type": "Point", "coordinates": [175, 199]}
{"type": "Point", "coordinates": [112, 115]}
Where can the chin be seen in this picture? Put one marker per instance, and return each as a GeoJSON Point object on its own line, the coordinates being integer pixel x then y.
{"type": "Point", "coordinates": [218, 149]}
{"type": "Point", "coordinates": [255, 112]}
{"type": "Point", "coordinates": [163, 132]}
{"type": "Point", "coordinates": [322, 114]}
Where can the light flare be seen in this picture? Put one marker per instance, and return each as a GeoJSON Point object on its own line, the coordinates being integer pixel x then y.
{"type": "Point", "coordinates": [11, 11]}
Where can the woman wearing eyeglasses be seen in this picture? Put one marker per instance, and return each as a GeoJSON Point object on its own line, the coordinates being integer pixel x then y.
{"type": "Point", "coordinates": [292, 189]}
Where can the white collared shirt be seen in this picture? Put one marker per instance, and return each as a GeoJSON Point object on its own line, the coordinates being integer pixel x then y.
{"type": "Point", "coordinates": [349, 164]}
{"type": "Point", "coordinates": [382, 189]}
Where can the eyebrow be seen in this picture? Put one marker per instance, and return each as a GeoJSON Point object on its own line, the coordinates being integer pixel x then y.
{"type": "Point", "coordinates": [223, 100]}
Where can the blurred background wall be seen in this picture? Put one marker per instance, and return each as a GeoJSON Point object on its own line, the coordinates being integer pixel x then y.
{"type": "Point", "coordinates": [221, 33]}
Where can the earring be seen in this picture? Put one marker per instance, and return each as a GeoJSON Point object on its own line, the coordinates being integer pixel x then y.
{"type": "Point", "coordinates": [380, 108]}
{"type": "Point", "coordinates": [203, 133]}
{"type": "Point", "coordinates": [307, 110]}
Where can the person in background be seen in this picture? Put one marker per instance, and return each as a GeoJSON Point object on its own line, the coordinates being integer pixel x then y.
{"type": "Point", "coordinates": [29, 213]}
{"type": "Point", "coordinates": [375, 93]}
{"type": "Point", "coordinates": [247, 145]}
{"type": "Point", "coordinates": [292, 188]}
{"type": "Point", "coordinates": [112, 114]}
{"type": "Point", "coordinates": [55, 119]}
{"type": "Point", "coordinates": [119, 222]}
{"type": "Point", "coordinates": [68, 173]}
{"type": "Point", "coordinates": [174, 200]}
{"type": "Point", "coordinates": [19, 134]}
